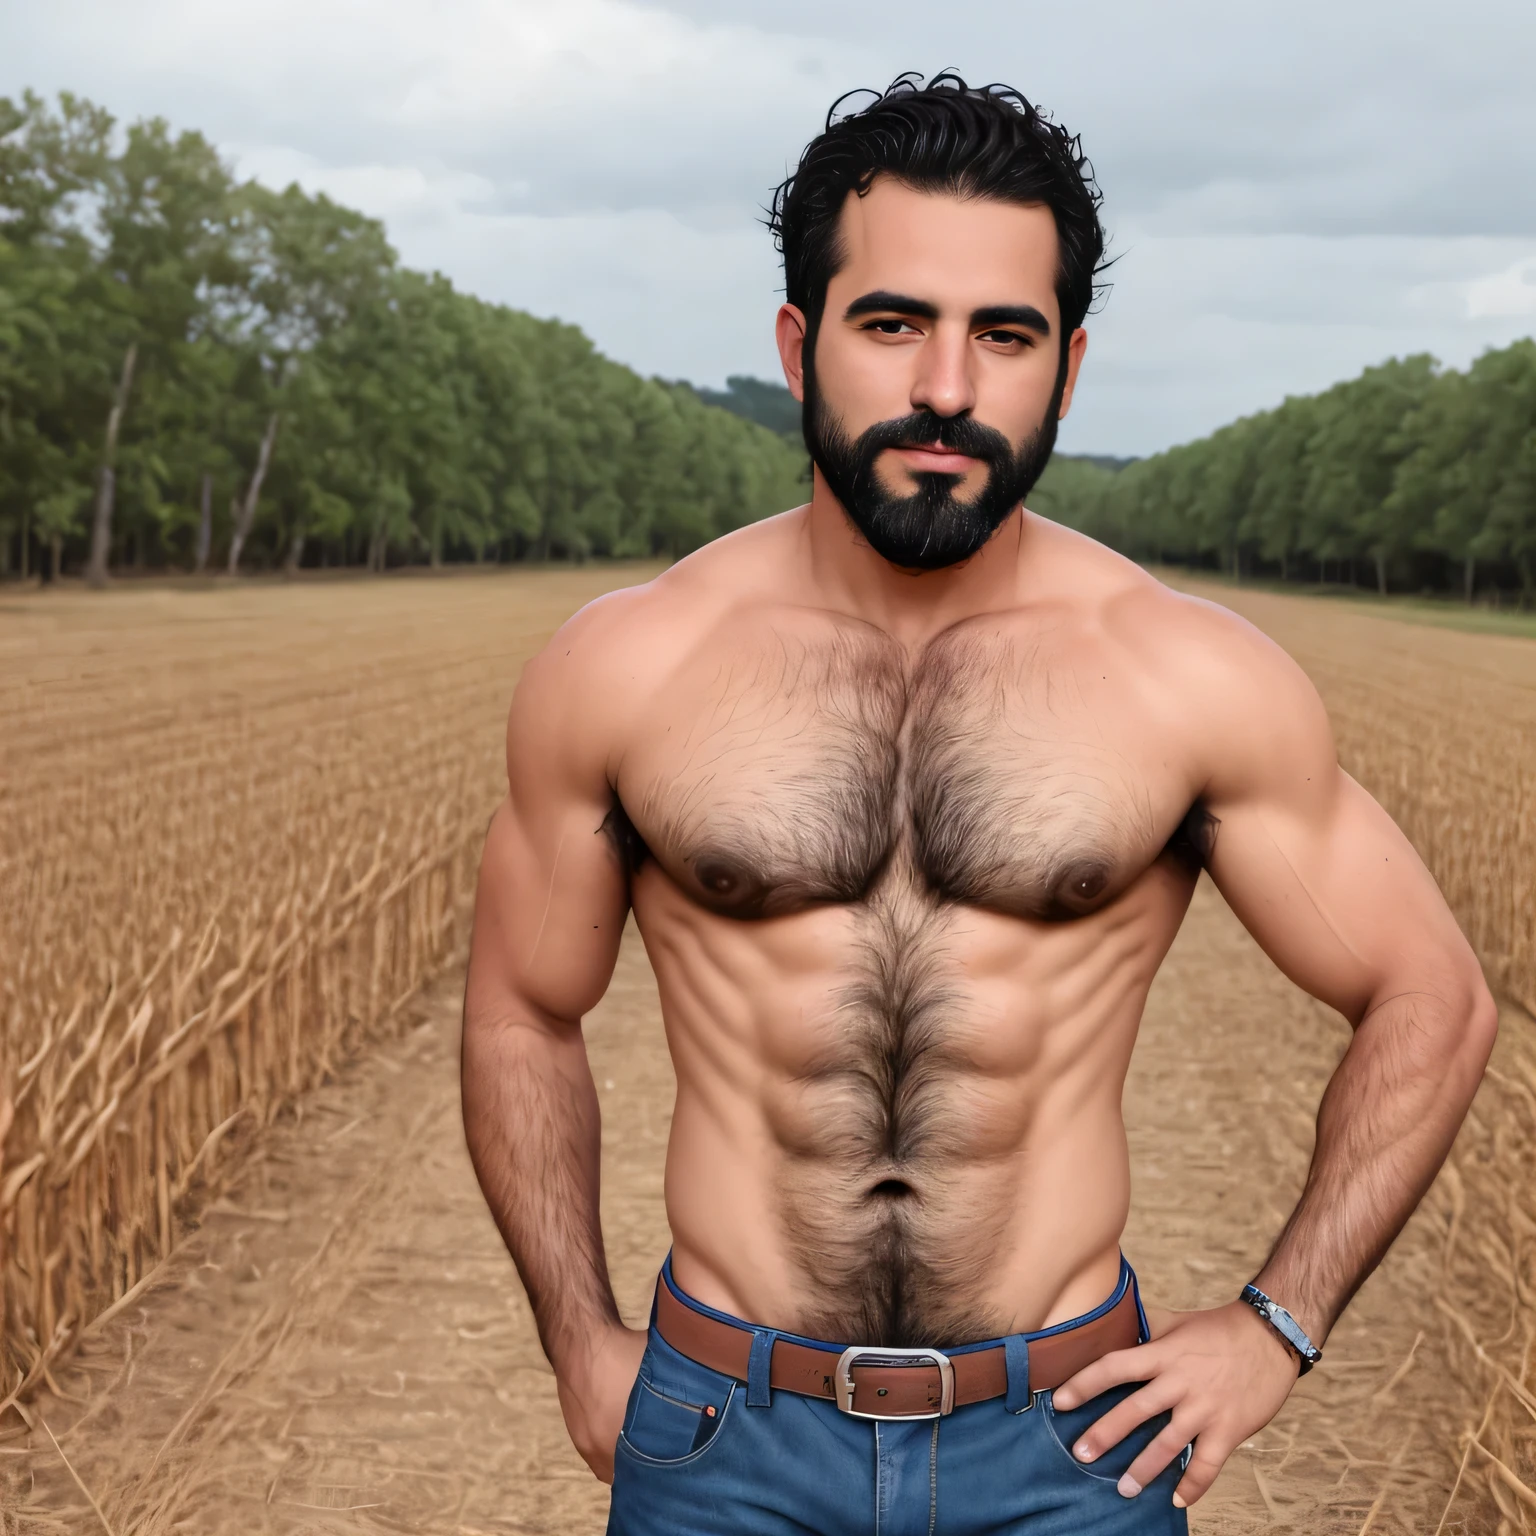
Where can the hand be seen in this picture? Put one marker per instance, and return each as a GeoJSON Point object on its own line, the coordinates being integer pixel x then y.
{"type": "Point", "coordinates": [1222, 1375]}
{"type": "Point", "coordinates": [594, 1392]}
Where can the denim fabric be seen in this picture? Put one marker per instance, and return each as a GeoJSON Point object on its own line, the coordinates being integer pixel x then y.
{"type": "Point", "coordinates": [695, 1459]}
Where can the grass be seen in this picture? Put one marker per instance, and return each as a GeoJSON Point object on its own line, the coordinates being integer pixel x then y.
{"type": "Point", "coordinates": [1440, 612]}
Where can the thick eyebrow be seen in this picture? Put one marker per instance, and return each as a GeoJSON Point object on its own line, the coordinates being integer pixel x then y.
{"type": "Point", "coordinates": [1023, 315]}
{"type": "Point", "coordinates": [883, 302]}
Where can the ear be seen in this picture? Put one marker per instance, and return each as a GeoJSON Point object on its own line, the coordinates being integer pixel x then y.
{"type": "Point", "coordinates": [789, 332]}
{"type": "Point", "coordinates": [1077, 350]}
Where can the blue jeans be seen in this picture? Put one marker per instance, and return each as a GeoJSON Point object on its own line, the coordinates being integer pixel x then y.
{"type": "Point", "coordinates": [703, 1454]}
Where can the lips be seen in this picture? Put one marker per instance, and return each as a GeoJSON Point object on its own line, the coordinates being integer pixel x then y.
{"type": "Point", "coordinates": [940, 461]}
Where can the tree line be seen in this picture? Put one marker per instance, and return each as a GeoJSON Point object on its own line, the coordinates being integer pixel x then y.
{"type": "Point", "coordinates": [1410, 477]}
{"type": "Point", "coordinates": [200, 372]}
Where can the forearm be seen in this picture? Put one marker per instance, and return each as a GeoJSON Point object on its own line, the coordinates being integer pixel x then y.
{"type": "Point", "coordinates": [532, 1123]}
{"type": "Point", "coordinates": [1385, 1125]}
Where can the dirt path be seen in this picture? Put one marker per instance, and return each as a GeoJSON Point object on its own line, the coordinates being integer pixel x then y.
{"type": "Point", "coordinates": [343, 1345]}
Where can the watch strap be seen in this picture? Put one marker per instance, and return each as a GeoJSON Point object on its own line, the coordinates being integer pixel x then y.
{"type": "Point", "coordinates": [1285, 1325]}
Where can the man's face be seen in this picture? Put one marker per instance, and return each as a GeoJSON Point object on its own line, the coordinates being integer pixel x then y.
{"type": "Point", "coordinates": [937, 378]}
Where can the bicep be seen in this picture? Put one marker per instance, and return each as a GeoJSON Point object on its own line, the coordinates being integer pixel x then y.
{"type": "Point", "coordinates": [552, 895]}
{"type": "Point", "coordinates": [1313, 867]}
{"type": "Point", "coordinates": [550, 906]}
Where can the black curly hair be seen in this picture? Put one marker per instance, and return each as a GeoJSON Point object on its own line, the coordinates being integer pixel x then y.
{"type": "Point", "coordinates": [940, 136]}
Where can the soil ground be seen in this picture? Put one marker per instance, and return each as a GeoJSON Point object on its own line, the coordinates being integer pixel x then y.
{"type": "Point", "coordinates": [343, 1346]}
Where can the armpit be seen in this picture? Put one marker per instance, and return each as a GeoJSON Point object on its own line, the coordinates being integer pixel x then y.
{"type": "Point", "coordinates": [627, 842]}
{"type": "Point", "coordinates": [1194, 840]}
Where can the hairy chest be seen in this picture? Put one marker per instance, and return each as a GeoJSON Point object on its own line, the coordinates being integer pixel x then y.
{"type": "Point", "coordinates": [785, 770]}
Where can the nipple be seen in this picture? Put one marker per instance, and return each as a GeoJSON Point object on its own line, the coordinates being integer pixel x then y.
{"type": "Point", "coordinates": [717, 877]}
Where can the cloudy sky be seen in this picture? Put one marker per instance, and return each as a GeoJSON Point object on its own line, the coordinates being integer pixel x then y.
{"type": "Point", "coordinates": [1294, 190]}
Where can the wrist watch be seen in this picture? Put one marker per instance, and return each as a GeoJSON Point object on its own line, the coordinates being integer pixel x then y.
{"type": "Point", "coordinates": [1285, 1325]}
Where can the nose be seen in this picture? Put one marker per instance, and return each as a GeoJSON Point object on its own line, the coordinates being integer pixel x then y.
{"type": "Point", "coordinates": [944, 384]}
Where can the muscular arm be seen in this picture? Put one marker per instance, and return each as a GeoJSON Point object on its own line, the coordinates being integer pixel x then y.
{"type": "Point", "coordinates": [549, 911]}
{"type": "Point", "coordinates": [1335, 894]}
{"type": "Point", "coordinates": [1337, 897]}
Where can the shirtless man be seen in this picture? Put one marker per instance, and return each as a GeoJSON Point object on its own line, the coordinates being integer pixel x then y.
{"type": "Point", "coordinates": [908, 789]}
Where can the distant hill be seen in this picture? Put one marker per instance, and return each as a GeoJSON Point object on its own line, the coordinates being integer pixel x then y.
{"type": "Point", "coordinates": [769, 405]}
{"type": "Point", "coordinates": [1099, 461]}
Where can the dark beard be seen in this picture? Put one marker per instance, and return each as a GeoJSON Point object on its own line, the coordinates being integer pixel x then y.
{"type": "Point", "coordinates": [931, 528]}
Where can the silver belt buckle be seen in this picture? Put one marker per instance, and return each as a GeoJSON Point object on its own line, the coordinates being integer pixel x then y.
{"type": "Point", "coordinates": [842, 1378]}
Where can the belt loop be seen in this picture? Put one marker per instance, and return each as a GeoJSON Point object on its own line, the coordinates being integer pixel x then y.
{"type": "Point", "coordinates": [759, 1367]}
{"type": "Point", "coordinates": [1016, 1355]}
{"type": "Point", "coordinates": [1141, 1312]}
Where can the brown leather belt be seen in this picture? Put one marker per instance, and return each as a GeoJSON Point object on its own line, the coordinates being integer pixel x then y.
{"type": "Point", "coordinates": [875, 1383]}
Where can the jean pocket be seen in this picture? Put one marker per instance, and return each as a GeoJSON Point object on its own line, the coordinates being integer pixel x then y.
{"type": "Point", "coordinates": [677, 1408]}
{"type": "Point", "coordinates": [1067, 1427]}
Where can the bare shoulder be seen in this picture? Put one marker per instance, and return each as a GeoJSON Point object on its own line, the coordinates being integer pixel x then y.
{"type": "Point", "coordinates": [1236, 699]}
{"type": "Point", "coordinates": [1226, 668]}
{"type": "Point", "coordinates": [1197, 642]}
{"type": "Point", "coordinates": [587, 691]}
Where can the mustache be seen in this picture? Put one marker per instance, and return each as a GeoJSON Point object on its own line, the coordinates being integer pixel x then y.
{"type": "Point", "coordinates": [955, 434]}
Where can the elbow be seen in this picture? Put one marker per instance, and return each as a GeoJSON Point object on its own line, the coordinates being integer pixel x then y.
{"type": "Point", "coordinates": [1482, 1024]}
{"type": "Point", "coordinates": [1473, 1017]}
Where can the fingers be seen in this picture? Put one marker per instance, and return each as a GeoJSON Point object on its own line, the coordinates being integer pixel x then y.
{"type": "Point", "coordinates": [1167, 1444]}
{"type": "Point", "coordinates": [1201, 1472]}
{"type": "Point", "coordinates": [1112, 1370]}
{"type": "Point", "coordinates": [1109, 1431]}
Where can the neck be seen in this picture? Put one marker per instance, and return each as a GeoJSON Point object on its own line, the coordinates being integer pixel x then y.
{"type": "Point", "coordinates": [911, 606]}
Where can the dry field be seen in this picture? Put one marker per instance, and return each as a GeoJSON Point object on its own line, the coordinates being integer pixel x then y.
{"type": "Point", "coordinates": [236, 836]}
{"type": "Point", "coordinates": [1440, 726]}
{"type": "Point", "coordinates": [237, 831]}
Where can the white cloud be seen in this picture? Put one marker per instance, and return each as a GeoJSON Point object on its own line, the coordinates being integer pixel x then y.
{"type": "Point", "coordinates": [405, 197]}
{"type": "Point", "coordinates": [1511, 292]}
{"type": "Point", "coordinates": [1202, 329]}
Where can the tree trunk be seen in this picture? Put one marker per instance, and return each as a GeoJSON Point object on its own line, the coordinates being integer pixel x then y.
{"type": "Point", "coordinates": [295, 553]}
{"type": "Point", "coordinates": [1469, 577]}
{"type": "Point", "coordinates": [245, 514]}
{"type": "Point", "coordinates": [26, 543]}
{"type": "Point", "coordinates": [56, 556]}
{"type": "Point", "coordinates": [204, 526]}
{"type": "Point", "coordinates": [106, 482]}
{"type": "Point", "coordinates": [1381, 574]}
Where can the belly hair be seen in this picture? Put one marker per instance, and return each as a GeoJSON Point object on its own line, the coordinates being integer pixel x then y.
{"type": "Point", "coordinates": [879, 1272]}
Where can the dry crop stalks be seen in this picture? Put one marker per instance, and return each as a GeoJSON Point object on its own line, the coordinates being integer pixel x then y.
{"type": "Point", "coordinates": [239, 829]}
{"type": "Point", "coordinates": [1441, 727]}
